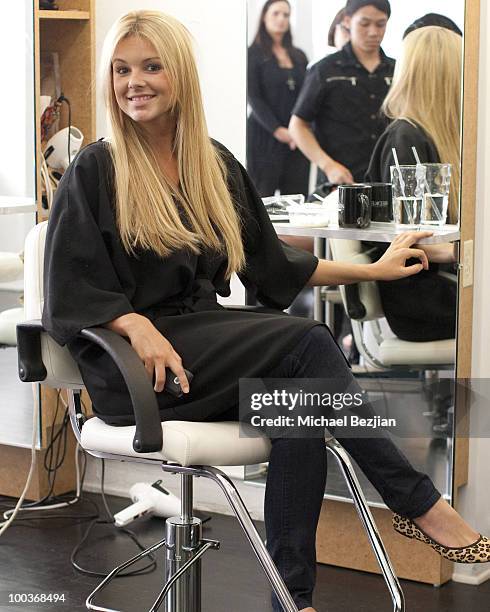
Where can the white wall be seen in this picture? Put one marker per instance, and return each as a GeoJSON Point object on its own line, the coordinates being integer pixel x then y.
{"type": "Point", "coordinates": [17, 102]}
{"type": "Point", "coordinates": [220, 43]}
{"type": "Point", "coordinates": [17, 127]}
{"type": "Point", "coordinates": [474, 503]}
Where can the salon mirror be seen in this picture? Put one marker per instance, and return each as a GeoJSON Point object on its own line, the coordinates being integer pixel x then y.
{"type": "Point", "coordinates": [422, 399]}
{"type": "Point", "coordinates": [17, 206]}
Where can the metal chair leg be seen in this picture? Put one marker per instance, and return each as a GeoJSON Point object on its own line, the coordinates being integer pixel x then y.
{"type": "Point", "coordinates": [368, 523]}
{"type": "Point", "coordinates": [255, 541]}
{"type": "Point", "coordinates": [183, 538]}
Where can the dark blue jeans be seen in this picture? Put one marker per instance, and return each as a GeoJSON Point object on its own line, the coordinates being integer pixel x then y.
{"type": "Point", "coordinates": [298, 470]}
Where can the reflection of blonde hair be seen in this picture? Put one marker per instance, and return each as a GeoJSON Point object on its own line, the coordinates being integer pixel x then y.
{"type": "Point", "coordinates": [426, 90]}
{"type": "Point", "coordinates": [146, 210]}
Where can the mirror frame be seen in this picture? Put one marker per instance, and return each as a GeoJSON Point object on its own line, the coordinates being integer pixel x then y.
{"type": "Point", "coordinates": [467, 222]}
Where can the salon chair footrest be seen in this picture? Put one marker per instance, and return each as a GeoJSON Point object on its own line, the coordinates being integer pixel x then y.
{"type": "Point", "coordinates": [203, 546]}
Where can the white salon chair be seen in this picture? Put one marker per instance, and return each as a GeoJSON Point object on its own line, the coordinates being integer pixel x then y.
{"type": "Point", "coordinates": [362, 304]}
{"type": "Point", "coordinates": [186, 448]}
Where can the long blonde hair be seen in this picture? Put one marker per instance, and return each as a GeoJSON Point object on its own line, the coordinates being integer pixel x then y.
{"type": "Point", "coordinates": [146, 211]}
{"type": "Point", "coordinates": [426, 90]}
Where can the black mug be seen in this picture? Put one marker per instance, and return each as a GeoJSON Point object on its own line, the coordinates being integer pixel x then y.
{"type": "Point", "coordinates": [381, 202]}
{"type": "Point", "coordinates": [354, 205]}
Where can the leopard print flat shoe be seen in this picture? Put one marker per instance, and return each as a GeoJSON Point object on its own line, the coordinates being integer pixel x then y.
{"type": "Point", "coordinates": [478, 552]}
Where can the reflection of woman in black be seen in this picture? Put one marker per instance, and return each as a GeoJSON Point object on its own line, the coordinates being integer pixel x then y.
{"type": "Point", "coordinates": [276, 71]}
{"type": "Point", "coordinates": [425, 105]}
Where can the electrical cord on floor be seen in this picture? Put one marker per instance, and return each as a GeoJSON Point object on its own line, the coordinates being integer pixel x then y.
{"type": "Point", "coordinates": [147, 569]}
{"type": "Point", "coordinates": [4, 526]}
{"type": "Point", "coordinates": [60, 501]}
{"type": "Point", "coordinates": [52, 462]}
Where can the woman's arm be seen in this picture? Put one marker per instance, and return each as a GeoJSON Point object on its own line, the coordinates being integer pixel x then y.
{"type": "Point", "coordinates": [391, 266]}
{"type": "Point", "coordinates": [152, 347]}
{"type": "Point", "coordinates": [304, 137]}
{"type": "Point", "coordinates": [441, 253]}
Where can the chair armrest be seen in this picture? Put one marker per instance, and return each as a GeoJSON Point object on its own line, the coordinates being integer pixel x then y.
{"type": "Point", "coordinates": [148, 436]}
{"type": "Point", "coordinates": [30, 361]}
{"type": "Point", "coordinates": [355, 308]}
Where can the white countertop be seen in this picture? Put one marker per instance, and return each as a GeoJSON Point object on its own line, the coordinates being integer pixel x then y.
{"type": "Point", "coordinates": [376, 232]}
{"type": "Point", "coordinates": [11, 205]}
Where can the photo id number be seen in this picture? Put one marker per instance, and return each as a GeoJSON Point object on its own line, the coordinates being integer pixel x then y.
{"type": "Point", "coordinates": [36, 598]}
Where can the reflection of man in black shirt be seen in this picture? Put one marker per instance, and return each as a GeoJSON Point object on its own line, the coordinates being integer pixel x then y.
{"type": "Point", "coordinates": [336, 120]}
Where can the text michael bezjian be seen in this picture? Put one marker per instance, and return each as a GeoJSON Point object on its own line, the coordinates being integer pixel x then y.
{"type": "Point", "coordinates": [299, 420]}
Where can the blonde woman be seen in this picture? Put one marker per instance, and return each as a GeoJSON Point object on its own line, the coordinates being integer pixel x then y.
{"type": "Point", "coordinates": [425, 105]}
{"type": "Point", "coordinates": [147, 228]}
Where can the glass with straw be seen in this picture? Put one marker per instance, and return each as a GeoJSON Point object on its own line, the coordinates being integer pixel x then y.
{"type": "Point", "coordinates": [436, 192]}
{"type": "Point", "coordinates": [408, 193]}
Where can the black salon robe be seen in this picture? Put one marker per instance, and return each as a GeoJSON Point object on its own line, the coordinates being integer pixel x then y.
{"type": "Point", "coordinates": [90, 279]}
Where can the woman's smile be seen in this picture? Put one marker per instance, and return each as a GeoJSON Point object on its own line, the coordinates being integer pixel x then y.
{"type": "Point", "coordinates": [140, 99]}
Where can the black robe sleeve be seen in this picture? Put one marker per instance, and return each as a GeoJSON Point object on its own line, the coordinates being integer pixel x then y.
{"type": "Point", "coordinates": [81, 287]}
{"type": "Point", "coordinates": [274, 272]}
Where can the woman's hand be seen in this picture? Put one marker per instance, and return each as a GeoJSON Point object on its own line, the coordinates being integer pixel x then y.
{"type": "Point", "coordinates": [391, 266]}
{"type": "Point", "coordinates": [282, 134]}
{"type": "Point", "coordinates": [152, 347]}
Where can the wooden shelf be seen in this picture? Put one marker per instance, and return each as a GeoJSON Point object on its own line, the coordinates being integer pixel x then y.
{"type": "Point", "coordinates": [80, 15]}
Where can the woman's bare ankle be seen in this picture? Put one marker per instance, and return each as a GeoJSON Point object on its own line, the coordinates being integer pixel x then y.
{"type": "Point", "coordinates": [444, 525]}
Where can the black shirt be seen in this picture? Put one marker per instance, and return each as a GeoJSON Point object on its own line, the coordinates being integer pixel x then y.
{"type": "Point", "coordinates": [342, 99]}
{"type": "Point", "coordinates": [273, 90]}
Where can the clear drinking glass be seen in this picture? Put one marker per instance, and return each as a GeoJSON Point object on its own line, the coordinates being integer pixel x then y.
{"type": "Point", "coordinates": [436, 194]}
{"type": "Point", "coordinates": [408, 194]}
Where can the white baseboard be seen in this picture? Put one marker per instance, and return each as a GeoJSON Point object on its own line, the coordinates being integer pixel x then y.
{"type": "Point", "coordinates": [473, 575]}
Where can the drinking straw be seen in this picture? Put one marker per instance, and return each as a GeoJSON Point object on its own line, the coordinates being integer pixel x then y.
{"type": "Point", "coordinates": [426, 185]}
{"type": "Point", "coordinates": [402, 187]}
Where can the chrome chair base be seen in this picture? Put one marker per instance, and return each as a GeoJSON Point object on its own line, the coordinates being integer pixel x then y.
{"type": "Point", "coordinates": [185, 547]}
{"type": "Point", "coordinates": [183, 540]}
